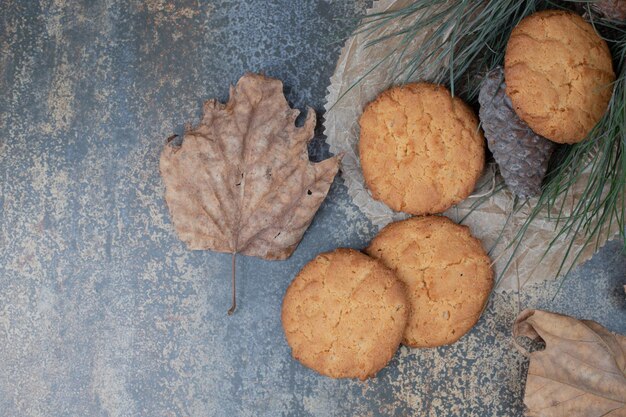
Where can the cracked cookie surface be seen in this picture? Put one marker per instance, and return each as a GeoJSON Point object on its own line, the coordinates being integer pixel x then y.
{"type": "Point", "coordinates": [558, 74]}
{"type": "Point", "coordinates": [344, 314]}
{"type": "Point", "coordinates": [420, 148]}
{"type": "Point", "coordinates": [447, 274]}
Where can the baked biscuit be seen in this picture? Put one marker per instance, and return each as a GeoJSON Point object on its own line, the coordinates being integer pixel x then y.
{"type": "Point", "coordinates": [558, 74]}
{"type": "Point", "coordinates": [421, 149]}
{"type": "Point", "coordinates": [447, 274]}
{"type": "Point", "coordinates": [344, 314]}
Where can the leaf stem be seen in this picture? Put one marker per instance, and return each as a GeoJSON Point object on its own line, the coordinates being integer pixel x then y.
{"type": "Point", "coordinates": [233, 306]}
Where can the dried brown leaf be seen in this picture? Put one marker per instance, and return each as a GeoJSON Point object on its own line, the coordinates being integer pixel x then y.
{"type": "Point", "coordinates": [241, 180]}
{"type": "Point", "coordinates": [581, 371]}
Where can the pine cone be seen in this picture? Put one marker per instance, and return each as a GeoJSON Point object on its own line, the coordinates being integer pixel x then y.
{"type": "Point", "coordinates": [611, 9]}
{"type": "Point", "coordinates": [521, 154]}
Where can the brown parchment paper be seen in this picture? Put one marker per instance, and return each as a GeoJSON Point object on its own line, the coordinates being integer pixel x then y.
{"type": "Point", "coordinates": [529, 265]}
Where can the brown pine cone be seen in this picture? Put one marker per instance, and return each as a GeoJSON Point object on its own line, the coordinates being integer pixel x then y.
{"type": "Point", "coordinates": [521, 154]}
{"type": "Point", "coordinates": [611, 9]}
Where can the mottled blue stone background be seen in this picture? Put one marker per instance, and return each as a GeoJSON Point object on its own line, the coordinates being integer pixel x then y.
{"type": "Point", "coordinates": [102, 310]}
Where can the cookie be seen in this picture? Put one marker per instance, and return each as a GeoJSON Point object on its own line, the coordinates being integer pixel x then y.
{"type": "Point", "coordinates": [420, 148]}
{"type": "Point", "coordinates": [447, 273]}
{"type": "Point", "coordinates": [558, 74]}
{"type": "Point", "coordinates": [344, 314]}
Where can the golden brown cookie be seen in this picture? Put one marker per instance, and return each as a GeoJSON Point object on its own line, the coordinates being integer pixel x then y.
{"type": "Point", "coordinates": [558, 74]}
{"type": "Point", "coordinates": [447, 273]}
{"type": "Point", "coordinates": [344, 314]}
{"type": "Point", "coordinates": [421, 149]}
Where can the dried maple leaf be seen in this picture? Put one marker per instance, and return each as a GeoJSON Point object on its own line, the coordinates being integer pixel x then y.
{"type": "Point", "coordinates": [581, 371]}
{"type": "Point", "coordinates": [241, 180]}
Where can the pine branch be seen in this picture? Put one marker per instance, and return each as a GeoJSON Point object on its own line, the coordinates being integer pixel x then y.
{"type": "Point", "coordinates": [469, 38]}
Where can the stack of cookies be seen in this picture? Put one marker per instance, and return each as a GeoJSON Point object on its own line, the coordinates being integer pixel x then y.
{"type": "Point", "coordinates": [424, 284]}
{"type": "Point", "coordinates": [423, 281]}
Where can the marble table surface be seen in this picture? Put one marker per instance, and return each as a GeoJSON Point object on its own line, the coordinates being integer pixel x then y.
{"type": "Point", "coordinates": [103, 312]}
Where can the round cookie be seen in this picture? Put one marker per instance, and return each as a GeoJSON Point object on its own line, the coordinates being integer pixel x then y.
{"type": "Point", "coordinates": [558, 74]}
{"type": "Point", "coordinates": [344, 314]}
{"type": "Point", "coordinates": [420, 148]}
{"type": "Point", "coordinates": [447, 274]}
